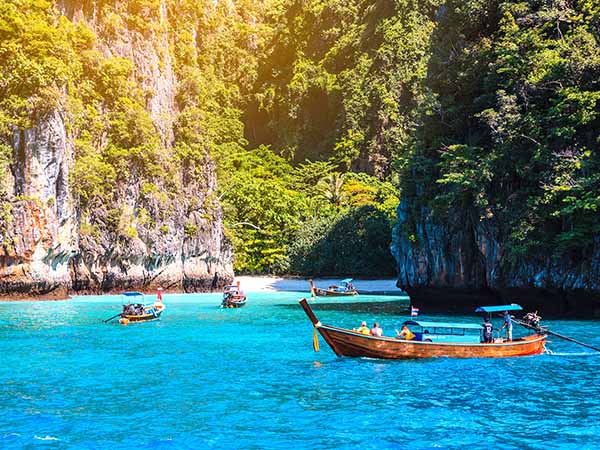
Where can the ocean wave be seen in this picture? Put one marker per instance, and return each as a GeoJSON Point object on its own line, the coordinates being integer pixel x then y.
{"type": "Point", "coordinates": [46, 438]}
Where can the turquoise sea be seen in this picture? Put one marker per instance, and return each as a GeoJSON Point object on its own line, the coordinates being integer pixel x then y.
{"type": "Point", "coordinates": [204, 377]}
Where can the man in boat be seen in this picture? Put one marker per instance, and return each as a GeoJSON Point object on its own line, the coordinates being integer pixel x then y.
{"type": "Point", "coordinates": [405, 333]}
{"type": "Point", "coordinates": [487, 330]}
{"type": "Point", "coordinates": [364, 329]}
{"type": "Point", "coordinates": [376, 331]}
{"type": "Point", "coordinates": [532, 319]}
{"type": "Point", "coordinates": [508, 325]}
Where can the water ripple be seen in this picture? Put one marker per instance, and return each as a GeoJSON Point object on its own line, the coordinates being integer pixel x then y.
{"type": "Point", "coordinates": [207, 377]}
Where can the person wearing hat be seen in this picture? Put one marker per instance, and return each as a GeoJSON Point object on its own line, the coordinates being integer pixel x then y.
{"type": "Point", "coordinates": [364, 329]}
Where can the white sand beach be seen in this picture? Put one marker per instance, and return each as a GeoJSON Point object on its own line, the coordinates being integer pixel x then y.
{"type": "Point", "coordinates": [269, 283]}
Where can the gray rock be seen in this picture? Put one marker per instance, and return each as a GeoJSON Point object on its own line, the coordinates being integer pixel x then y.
{"type": "Point", "coordinates": [460, 262]}
{"type": "Point", "coordinates": [176, 243]}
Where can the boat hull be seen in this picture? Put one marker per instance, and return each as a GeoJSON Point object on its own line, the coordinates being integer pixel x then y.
{"type": "Point", "coordinates": [348, 343]}
{"type": "Point", "coordinates": [235, 302]}
{"type": "Point", "coordinates": [327, 293]}
{"type": "Point", "coordinates": [142, 317]}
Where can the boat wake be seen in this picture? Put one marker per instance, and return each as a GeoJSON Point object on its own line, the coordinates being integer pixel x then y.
{"type": "Point", "coordinates": [549, 352]}
{"type": "Point", "coordinates": [46, 438]}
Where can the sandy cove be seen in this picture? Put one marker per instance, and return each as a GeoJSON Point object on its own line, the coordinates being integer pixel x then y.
{"type": "Point", "coordinates": [248, 284]}
{"type": "Point", "coordinates": [268, 283]}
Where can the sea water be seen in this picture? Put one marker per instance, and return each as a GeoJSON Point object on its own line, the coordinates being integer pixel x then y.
{"type": "Point", "coordinates": [205, 377]}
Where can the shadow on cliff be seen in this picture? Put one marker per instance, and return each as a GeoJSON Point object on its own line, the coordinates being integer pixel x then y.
{"type": "Point", "coordinates": [356, 243]}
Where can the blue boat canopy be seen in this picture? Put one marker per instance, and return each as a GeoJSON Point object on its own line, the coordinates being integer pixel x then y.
{"type": "Point", "coordinates": [499, 308]}
{"type": "Point", "coordinates": [346, 280]}
{"type": "Point", "coordinates": [132, 294]}
{"type": "Point", "coordinates": [432, 325]}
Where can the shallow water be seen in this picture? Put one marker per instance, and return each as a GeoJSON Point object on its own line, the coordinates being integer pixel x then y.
{"type": "Point", "coordinates": [248, 378]}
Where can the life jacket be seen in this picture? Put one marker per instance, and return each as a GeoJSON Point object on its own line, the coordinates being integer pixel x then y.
{"type": "Point", "coordinates": [407, 334]}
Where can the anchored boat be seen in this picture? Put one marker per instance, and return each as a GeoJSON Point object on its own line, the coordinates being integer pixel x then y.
{"type": "Point", "coordinates": [136, 311]}
{"type": "Point", "coordinates": [233, 297]}
{"type": "Point", "coordinates": [431, 340]}
{"type": "Point", "coordinates": [345, 289]}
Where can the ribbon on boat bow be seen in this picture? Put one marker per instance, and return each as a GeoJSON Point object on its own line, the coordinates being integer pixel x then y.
{"type": "Point", "coordinates": [316, 337]}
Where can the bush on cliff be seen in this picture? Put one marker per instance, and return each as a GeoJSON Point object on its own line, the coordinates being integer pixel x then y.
{"type": "Point", "coordinates": [355, 242]}
{"type": "Point", "coordinates": [510, 134]}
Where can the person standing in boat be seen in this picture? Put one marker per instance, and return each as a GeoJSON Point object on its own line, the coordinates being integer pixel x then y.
{"type": "Point", "coordinates": [376, 331]}
{"type": "Point", "coordinates": [508, 325]}
{"type": "Point", "coordinates": [487, 331]}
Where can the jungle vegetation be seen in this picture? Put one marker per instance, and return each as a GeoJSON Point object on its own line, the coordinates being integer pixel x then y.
{"type": "Point", "coordinates": [322, 114]}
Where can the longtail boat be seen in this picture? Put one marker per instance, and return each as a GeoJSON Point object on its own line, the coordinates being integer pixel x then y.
{"type": "Point", "coordinates": [344, 290]}
{"type": "Point", "coordinates": [433, 339]}
{"type": "Point", "coordinates": [136, 311]}
{"type": "Point", "coordinates": [233, 297]}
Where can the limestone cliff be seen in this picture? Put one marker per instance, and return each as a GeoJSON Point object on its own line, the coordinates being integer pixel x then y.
{"type": "Point", "coordinates": [39, 218]}
{"type": "Point", "coordinates": [148, 231]}
{"type": "Point", "coordinates": [461, 263]}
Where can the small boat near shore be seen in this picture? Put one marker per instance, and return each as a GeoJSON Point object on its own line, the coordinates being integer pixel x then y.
{"type": "Point", "coordinates": [434, 339]}
{"type": "Point", "coordinates": [135, 310]}
{"type": "Point", "coordinates": [346, 289]}
{"type": "Point", "coordinates": [233, 297]}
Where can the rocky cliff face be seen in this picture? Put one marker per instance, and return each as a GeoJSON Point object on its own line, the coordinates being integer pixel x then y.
{"type": "Point", "coordinates": [143, 238]}
{"type": "Point", "coordinates": [461, 264]}
{"type": "Point", "coordinates": [39, 218]}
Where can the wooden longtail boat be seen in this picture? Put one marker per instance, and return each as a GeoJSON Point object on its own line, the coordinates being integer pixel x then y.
{"type": "Point", "coordinates": [233, 297]}
{"type": "Point", "coordinates": [137, 312]}
{"type": "Point", "coordinates": [345, 290]}
{"type": "Point", "coordinates": [351, 343]}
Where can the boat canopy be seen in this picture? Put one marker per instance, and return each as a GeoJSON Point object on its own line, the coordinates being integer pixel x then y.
{"type": "Point", "coordinates": [132, 294]}
{"type": "Point", "coordinates": [346, 280]}
{"type": "Point", "coordinates": [499, 308]}
{"type": "Point", "coordinates": [420, 323]}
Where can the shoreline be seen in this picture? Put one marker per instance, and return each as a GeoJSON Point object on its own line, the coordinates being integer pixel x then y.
{"type": "Point", "coordinates": [248, 283]}
{"type": "Point", "coordinates": [301, 284]}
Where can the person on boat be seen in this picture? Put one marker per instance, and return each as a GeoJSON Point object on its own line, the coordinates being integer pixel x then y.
{"type": "Point", "coordinates": [376, 330]}
{"type": "Point", "coordinates": [532, 319]}
{"type": "Point", "coordinates": [364, 329]}
{"type": "Point", "coordinates": [487, 331]}
{"type": "Point", "coordinates": [405, 333]}
{"type": "Point", "coordinates": [508, 325]}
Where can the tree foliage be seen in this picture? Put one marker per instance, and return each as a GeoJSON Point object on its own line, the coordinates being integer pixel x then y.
{"type": "Point", "coordinates": [317, 111]}
{"type": "Point", "coordinates": [510, 131]}
{"type": "Point", "coordinates": [341, 79]}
